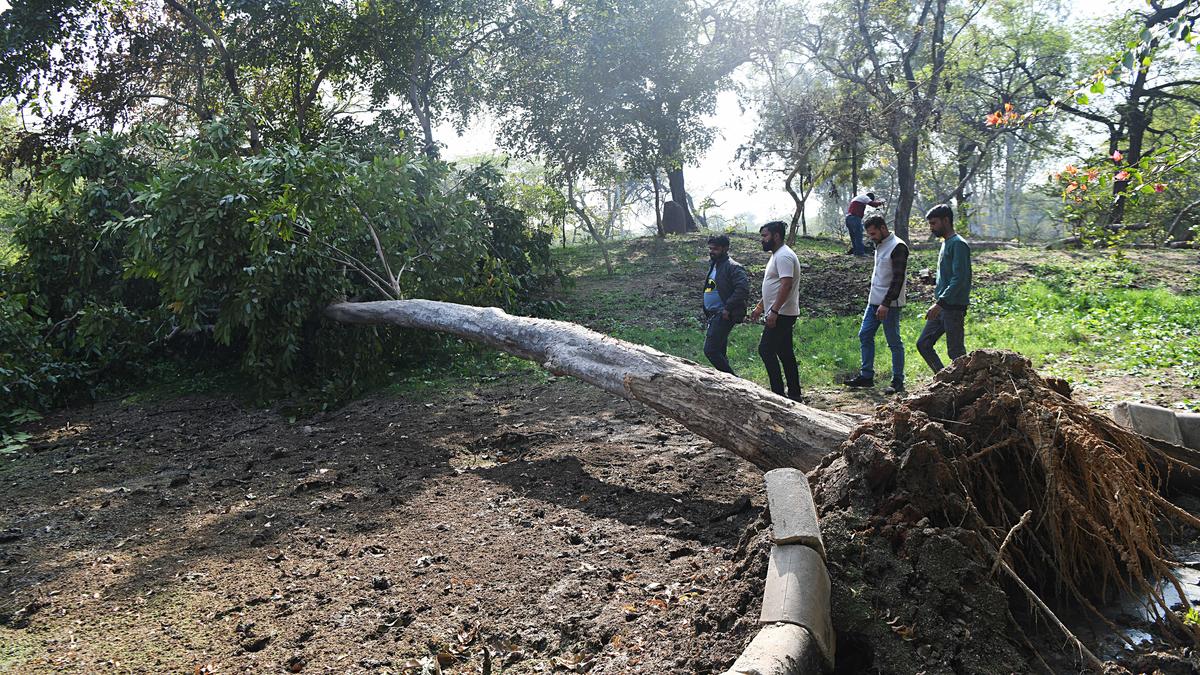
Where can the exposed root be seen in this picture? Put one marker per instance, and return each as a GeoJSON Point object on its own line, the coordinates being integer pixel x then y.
{"type": "Point", "coordinates": [1063, 499]}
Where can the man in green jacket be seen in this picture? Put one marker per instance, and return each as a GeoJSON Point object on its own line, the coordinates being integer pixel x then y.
{"type": "Point", "coordinates": [952, 293]}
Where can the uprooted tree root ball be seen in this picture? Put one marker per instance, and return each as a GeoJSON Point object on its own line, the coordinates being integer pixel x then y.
{"type": "Point", "coordinates": [988, 492]}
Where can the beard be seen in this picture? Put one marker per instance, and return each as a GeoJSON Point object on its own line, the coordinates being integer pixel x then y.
{"type": "Point", "coordinates": [767, 247]}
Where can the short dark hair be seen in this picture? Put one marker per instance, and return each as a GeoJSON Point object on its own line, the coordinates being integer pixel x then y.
{"type": "Point", "coordinates": [871, 196]}
{"type": "Point", "coordinates": [875, 221]}
{"type": "Point", "coordinates": [775, 227]}
{"type": "Point", "coordinates": [941, 211]}
{"type": "Point", "coordinates": [719, 240]}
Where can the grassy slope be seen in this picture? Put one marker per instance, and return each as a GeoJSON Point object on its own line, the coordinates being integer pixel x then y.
{"type": "Point", "coordinates": [1116, 328]}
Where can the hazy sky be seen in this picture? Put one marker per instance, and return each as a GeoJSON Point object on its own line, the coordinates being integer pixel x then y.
{"type": "Point", "coordinates": [762, 197]}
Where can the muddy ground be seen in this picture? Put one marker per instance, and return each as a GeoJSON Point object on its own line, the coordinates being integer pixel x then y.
{"type": "Point", "coordinates": [524, 525]}
{"type": "Point", "coordinates": [556, 526]}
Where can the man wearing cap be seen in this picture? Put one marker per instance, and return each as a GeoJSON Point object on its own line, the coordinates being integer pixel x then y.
{"type": "Point", "coordinates": [854, 220]}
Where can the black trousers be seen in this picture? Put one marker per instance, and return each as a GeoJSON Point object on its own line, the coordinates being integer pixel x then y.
{"type": "Point", "coordinates": [949, 323]}
{"type": "Point", "coordinates": [776, 350]}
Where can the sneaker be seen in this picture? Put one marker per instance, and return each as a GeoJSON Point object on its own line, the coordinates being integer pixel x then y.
{"type": "Point", "coordinates": [860, 381]}
{"type": "Point", "coordinates": [894, 388]}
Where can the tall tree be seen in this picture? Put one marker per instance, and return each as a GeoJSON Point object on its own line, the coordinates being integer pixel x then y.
{"type": "Point", "coordinates": [1149, 77]}
{"type": "Point", "coordinates": [618, 86]}
{"type": "Point", "coordinates": [896, 52]}
{"type": "Point", "coordinates": [434, 54]}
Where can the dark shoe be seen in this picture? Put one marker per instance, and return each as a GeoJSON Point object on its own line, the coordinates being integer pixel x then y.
{"type": "Point", "coordinates": [860, 381]}
{"type": "Point", "coordinates": [798, 398]}
{"type": "Point", "coordinates": [894, 388]}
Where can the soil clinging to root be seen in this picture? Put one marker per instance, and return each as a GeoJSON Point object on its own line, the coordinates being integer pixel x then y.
{"type": "Point", "coordinates": [953, 511]}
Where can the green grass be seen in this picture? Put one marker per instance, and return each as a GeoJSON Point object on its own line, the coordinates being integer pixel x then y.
{"type": "Point", "coordinates": [1070, 316]}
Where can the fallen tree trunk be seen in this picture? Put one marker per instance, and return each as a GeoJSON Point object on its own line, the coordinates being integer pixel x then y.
{"type": "Point", "coordinates": [766, 430]}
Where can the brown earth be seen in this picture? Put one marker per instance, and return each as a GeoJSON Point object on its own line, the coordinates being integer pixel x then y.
{"type": "Point", "coordinates": [919, 500]}
{"type": "Point", "coordinates": [520, 526]}
{"type": "Point", "coordinates": [550, 524]}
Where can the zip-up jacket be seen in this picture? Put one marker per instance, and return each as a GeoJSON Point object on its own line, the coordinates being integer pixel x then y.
{"type": "Point", "coordinates": [732, 285]}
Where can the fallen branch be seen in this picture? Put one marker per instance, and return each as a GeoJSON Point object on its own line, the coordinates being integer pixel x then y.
{"type": "Point", "coordinates": [766, 430]}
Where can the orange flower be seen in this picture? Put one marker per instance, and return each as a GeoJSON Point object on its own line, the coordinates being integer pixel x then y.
{"type": "Point", "coordinates": [1117, 156]}
{"type": "Point", "coordinates": [1071, 169]}
{"type": "Point", "coordinates": [1071, 188]}
{"type": "Point", "coordinates": [1122, 175]}
{"type": "Point", "coordinates": [1092, 174]}
{"type": "Point", "coordinates": [1008, 107]}
{"type": "Point", "coordinates": [993, 119]}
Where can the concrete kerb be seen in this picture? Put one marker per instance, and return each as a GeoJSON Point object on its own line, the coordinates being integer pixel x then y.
{"type": "Point", "coordinates": [797, 637]}
{"type": "Point", "coordinates": [1149, 420]}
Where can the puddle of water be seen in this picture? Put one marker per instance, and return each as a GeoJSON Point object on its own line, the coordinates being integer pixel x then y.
{"type": "Point", "coordinates": [1134, 616]}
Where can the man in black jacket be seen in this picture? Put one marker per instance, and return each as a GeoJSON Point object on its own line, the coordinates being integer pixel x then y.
{"type": "Point", "coordinates": [726, 291]}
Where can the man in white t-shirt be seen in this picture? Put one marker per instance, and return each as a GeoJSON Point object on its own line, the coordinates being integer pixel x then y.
{"type": "Point", "coordinates": [781, 303]}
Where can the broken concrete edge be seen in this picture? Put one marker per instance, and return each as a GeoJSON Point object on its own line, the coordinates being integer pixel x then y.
{"type": "Point", "coordinates": [797, 637]}
{"type": "Point", "coordinates": [798, 592]}
{"type": "Point", "coordinates": [780, 649]}
{"type": "Point", "coordinates": [1152, 421]}
{"type": "Point", "coordinates": [793, 513]}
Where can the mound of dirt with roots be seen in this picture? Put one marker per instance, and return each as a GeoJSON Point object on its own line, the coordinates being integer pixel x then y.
{"type": "Point", "coordinates": [953, 512]}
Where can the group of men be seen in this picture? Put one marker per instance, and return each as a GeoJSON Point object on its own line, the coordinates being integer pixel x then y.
{"type": "Point", "coordinates": [727, 294]}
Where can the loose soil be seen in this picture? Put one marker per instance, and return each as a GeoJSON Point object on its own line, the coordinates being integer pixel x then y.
{"type": "Point", "coordinates": [520, 526]}
{"type": "Point", "coordinates": [992, 457]}
{"type": "Point", "coordinates": [552, 525]}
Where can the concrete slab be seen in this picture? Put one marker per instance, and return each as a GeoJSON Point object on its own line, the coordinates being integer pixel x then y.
{"type": "Point", "coordinates": [780, 649]}
{"type": "Point", "coordinates": [798, 592]}
{"type": "Point", "coordinates": [1189, 428]}
{"type": "Point", "coordinates": [1148, 420]}
{"type": "Point", "coordinates": [793, 514]}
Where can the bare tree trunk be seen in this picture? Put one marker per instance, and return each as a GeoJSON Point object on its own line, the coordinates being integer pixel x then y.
{"type": "Point", "coordinates": [657, 204]}
{"type": "Point", "coordinates": [766, 430]}
{"type": "Point", "coordinates": [581, 212]}
{"type": "Point", "coordinates": [798, 210]}
{"type": "Point", "coordinates": [906, 177]}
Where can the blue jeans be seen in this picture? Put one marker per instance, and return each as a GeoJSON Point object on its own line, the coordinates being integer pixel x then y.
{"type": "Point", "coordinates": [891, 331]}
{"type": "Point", "coordinates": [716, 341]}
{"type": "Point", "coordinates": [855, 225]}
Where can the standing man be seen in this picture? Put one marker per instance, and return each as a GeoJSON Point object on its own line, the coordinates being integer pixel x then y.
{"type": "Point", "coordinates": [952, 293]}
{"type": "Point", "coordinates": [888, 281]}
{"type": "Point", "coordinates": [854, 220]}
{"type": "Point", "coordinates": [781, 302]}
{"type": "Point", "coordinates": [725, 295]}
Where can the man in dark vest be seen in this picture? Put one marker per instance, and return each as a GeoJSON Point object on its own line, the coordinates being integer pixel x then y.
{"type": "Point", "coordinates": [726, 290]}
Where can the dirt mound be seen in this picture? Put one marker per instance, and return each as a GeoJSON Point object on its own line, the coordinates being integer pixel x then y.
{"type": "Point", "coordinates": [953, 509]}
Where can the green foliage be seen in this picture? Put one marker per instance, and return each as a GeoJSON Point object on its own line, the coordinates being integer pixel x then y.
{"type": "Point", "coordinates": [126, 260]}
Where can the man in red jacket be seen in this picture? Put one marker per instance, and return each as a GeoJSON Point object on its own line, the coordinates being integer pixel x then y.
{"type": "Point", "coordinates": [854, 220]}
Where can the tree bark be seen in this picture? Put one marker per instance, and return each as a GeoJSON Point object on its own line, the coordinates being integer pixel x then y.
{"type": "Point", "coordinates": [657, 205]}
{"type": "Point", "coordinates": [766, 430]}
{"type": "Point", "coordinates": [679, 195]}
{"type": "Point", "coordinates": [906, 178]}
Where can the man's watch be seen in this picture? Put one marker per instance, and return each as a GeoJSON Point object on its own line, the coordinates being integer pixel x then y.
{"type": "Point", "coordinates": [772, 311]}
